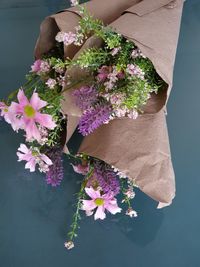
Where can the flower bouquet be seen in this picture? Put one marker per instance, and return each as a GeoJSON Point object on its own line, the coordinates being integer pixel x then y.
{"type": "Point", "coordinates": [113, 89]}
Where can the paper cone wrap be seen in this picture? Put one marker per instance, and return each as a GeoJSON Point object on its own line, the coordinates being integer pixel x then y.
{"type": "Point", "coordinates": [140, 147]}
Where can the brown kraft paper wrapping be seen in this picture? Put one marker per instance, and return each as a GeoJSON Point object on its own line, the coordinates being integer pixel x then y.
{"type": "Point", "coordinates": [139, 148]}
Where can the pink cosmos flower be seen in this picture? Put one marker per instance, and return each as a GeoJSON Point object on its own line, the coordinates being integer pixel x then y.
{"type": "Point", "coordinates": [28, 115]}
{"type": "Point", "coordinates": [8, 116]}
{"type": "Point", "coordinates": [4, 112]}
{"type": "Point", "coordinates": [99, 202]}
{"type": "Point", "coordinates": [33, 157]}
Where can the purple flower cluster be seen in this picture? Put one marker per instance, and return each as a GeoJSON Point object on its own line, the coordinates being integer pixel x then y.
{"type": "Point", "coordinates": [106, 178]}
{"type": "Point", "coordinates": [85, 97]}
{"type": "Point", "coordinates": [94, 117]}
{"type": "Point", "coordinates": [56, 173]}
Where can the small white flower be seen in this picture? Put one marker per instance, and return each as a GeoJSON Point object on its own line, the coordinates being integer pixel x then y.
{"type": "Point", "coordinates": [130, 193]}
{"type": "Point", "coordinates": [69, 245]}
{"type": "Point", "coordinates": [74, 2]}
{"type": "Point", "coordinates": [131, 213]}
{"type": "Point", "coordinates": [133, 114]}
{"type": "Point", "coordinates": [51, 83]}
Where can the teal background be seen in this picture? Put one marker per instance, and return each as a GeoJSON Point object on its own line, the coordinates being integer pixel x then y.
{"type": "Point", "coordinates": [34, 218]}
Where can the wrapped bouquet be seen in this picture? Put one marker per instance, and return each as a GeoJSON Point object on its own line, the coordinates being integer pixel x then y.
{"type": "Point", "coordinates": [112, 83]}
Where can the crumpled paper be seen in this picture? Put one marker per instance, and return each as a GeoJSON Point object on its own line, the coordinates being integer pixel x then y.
{"type": "Point", "coordinates": [139, 148]}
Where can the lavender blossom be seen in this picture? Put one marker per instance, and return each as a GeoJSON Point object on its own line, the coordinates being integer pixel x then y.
{"type": "Point", "coordinates": [55, 174]}
{"type": "Point", "coordinates": [93, 118]}
{"type": "Point", "coordinates": [85, 97]}
{"type": "Point", "coordinates": [106, 178]}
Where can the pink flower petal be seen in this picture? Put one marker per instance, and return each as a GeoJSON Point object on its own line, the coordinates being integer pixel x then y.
{"type": "Point", "coordinates": [20, 156]}
{"type": "Point", "coordinates": [88, 205]}
{"type": "Point", "coordinates": [23, 148]}
{"type": "Point", "coordinates": [15, 108]}
{"type": "Point", "coordinates": [100, 213]}
{"type": "Point", "coordinates": [36, 102]}
{"type": "Point", "coordinates": [32, 131]}
{"type": "Point", "coordinates": [26, 157]}
{"type": "Point", "coordinates": [113, 208]}
{"type": "Point", "coordinates": [46, 159]}
{"type": "Point", "coordinates": [45, 120]}
{"type": "Point", "coordinates": [22, 98]}
{"type": "Point", "coordinates": [30, 165]}
{"type": "Point", "coordinates": [10, 116]}
{"type": "Point", "coordinates": [92, 193]}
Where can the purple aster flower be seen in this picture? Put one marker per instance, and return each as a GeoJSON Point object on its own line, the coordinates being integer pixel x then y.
{"type": "Point", "coordinates": [93, 118]}
{"type": "Point", "coordinates": [55, 174]}
{"type": "Point", "coordinates": [85, 97]}
{"type": "Point", "coordinates": [105, 177]}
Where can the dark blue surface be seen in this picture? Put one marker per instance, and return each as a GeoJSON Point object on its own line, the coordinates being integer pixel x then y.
{"type": "Point", "coordinates": [35, 218]}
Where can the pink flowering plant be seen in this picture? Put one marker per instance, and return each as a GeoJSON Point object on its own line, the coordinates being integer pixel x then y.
{"type": "Point", "coordinates": [123, 78]}
{"type": "Point", "coordinates": [101, 190]}
{"type": "Point", "coordinates": [35, 110]}
{"type": "Point", "coordinates": [120, 82]}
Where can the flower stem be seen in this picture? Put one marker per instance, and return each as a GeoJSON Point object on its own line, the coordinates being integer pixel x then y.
{"type": "Point", "coordinates": [126, 200]}
{"type": "Point", "coordinates": [13, 95]}
{"type": "Point", "coordinates": [76, 218]}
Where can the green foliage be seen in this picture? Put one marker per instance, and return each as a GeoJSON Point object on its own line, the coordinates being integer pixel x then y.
{"type": "Point", "coordinates": [91, 58]}
{"type": "Point", "coordinates": [123, 57]}
{"type": "Point", "coordinates": [138, 92]}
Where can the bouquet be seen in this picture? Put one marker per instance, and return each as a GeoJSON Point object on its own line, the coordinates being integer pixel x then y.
{"type": "Point", "coordinates": [109, 80]}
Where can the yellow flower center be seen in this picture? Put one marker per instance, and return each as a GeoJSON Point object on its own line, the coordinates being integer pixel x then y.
{"type": "Point", "coordinates": [35, 153]}
{"type": "Point", "coordinates": [99, 201]}
{"type": "Point", "coordinates": [29, 111]}
{"type": "Point", "coordinates": [5, 109]}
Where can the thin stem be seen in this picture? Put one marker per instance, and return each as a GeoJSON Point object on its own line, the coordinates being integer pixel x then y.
{"type": "Point", "coordinates": [74, 226]}
{"type": "Point", "coordinates": [13, 95]}
{"type": "Point", "coordinates": [123, 189]}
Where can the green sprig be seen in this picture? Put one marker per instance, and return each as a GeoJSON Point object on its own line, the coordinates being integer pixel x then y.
{"type": "Point", "coordinates": [80, 196]}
